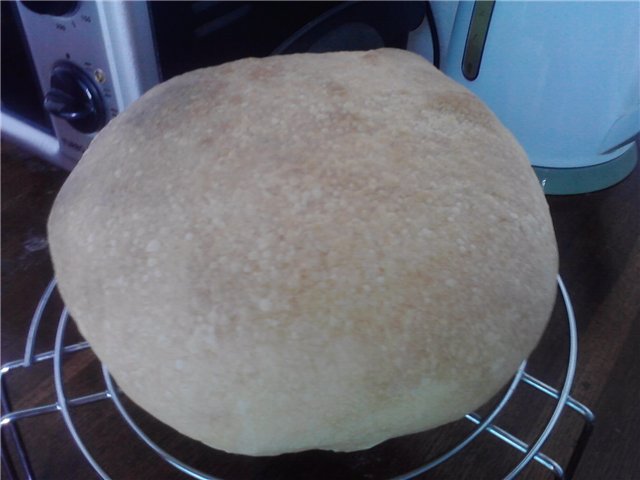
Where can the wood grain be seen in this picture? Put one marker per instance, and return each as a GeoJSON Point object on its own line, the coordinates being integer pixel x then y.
{"type": "Point", "coordinates": [598, 237]}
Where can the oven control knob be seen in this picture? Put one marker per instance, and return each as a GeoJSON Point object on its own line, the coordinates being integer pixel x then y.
{"type": "Point", "coordinates": [75, 98]}
{"type": "Point", "coordinates": [58, 9]}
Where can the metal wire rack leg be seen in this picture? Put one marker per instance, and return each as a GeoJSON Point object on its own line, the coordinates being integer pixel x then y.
{"type": "Point", "coordinates": [6, 463]}
{"type": "Point", "coordinates": [15, 437]}
{"type": "Point", "coordinates": [6, 402]}
{"type": "Point", "coordinates": [10, 417]}
{"type": "Point", "coordinates": [564, 394]}
{"type": "Point", "coordinates": [8, 421]}
{"type": "Point", "coordinates": [580, 447]}
{"type": "Point", "coordinates": [63, 404]}
{"type": "Point", "coordinates": [581, 409]}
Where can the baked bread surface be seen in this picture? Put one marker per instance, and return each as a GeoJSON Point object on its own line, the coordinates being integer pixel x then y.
{"type": "Point", "coordinates": [306, 251]}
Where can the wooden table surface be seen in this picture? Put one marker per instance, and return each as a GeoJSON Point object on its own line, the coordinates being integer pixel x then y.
{"type": "Point", "coordinates": [600, 263]}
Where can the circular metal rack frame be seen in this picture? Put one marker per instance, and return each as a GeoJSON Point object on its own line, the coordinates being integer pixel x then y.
{"type": "Point", "coordinates": [63, 405]}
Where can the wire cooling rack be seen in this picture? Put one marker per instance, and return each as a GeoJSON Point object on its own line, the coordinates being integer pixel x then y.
{"type": "Point", "coordinates": [486, 425]}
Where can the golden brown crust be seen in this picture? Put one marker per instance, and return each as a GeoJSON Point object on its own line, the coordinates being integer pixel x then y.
{"type": "Point", "coordinates": [307, 251]}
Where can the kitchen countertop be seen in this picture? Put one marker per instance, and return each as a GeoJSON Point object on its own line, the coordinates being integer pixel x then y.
{"type": "Point", "coordinates": [598, 237]}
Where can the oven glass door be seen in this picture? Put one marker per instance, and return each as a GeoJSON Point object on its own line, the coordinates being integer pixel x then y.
{"type": "Point", "coordinates": [211, 33]}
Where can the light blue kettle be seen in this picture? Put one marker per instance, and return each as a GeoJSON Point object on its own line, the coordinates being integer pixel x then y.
{"type": "Point", "coordinates": [562, 76]}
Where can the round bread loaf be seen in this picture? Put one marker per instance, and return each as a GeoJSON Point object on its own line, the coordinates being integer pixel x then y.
{"type": "Point", "coordinates": [306, 251]}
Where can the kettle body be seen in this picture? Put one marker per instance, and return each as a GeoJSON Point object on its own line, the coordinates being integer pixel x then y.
{"type": "Point", "coordinates": [562, 76]}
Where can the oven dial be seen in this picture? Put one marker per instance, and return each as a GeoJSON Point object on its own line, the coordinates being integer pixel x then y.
{"type": "Point", "coordinates": [75, 98]}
